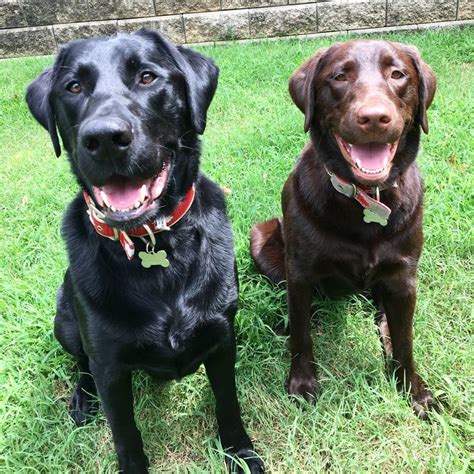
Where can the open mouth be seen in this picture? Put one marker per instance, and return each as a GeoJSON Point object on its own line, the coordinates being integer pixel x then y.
{"type": "Point", "coordinates": [371, 162]}
{"type": "Point", "coordinates": [123, 198]}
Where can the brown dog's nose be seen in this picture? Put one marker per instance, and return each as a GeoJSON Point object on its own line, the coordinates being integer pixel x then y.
{"type": "Point", "coordinates": [373, 118]}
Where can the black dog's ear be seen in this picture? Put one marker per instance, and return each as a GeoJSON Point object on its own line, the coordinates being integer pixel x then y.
{"type": "Point", "coordinates": [200, 74]}
{"type": "Point", "coordinates": [426, 84]}
{"type": "Point", "coordinates": [37, 98]}
{"type": "Point", "coordinates": [301, 86]}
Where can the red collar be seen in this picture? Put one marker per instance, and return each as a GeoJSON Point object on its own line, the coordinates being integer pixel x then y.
{"type": "Point", "coordinates": [374, 210]}
{"type": "Point", "coordinates": [96, 218]}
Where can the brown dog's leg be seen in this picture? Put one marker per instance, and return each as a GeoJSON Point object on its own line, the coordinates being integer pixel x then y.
{"type": "Point", "coordinates": [399, 307]}
{"type": "Point", "coordinates": [382, 325]}
{"type": "Point", "coordinates": [302, 380]}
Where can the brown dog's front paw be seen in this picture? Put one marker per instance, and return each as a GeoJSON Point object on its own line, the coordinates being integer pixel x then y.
{"type": "Point", "coordinates": [422, 403]}
{"type": "Point", "coordinates": [304, 386]}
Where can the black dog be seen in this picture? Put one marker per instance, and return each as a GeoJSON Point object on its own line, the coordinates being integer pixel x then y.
{"type": "Point", "coordinates": [129, 110]}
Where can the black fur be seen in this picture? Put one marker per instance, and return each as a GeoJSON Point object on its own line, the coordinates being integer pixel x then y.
{"type": "Point", "coordinates": [114, 315]}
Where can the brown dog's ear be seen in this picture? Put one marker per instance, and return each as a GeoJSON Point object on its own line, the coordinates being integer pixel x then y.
{"type": "Point", "coordinates": [301, 86]}
{"type": "Point", "coordinates": [426, 87]}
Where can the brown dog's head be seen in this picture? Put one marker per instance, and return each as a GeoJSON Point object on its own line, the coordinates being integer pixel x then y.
{"type": "Point", "coordinates": [364, 98]}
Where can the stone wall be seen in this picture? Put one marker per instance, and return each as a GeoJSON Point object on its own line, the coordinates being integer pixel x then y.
{"type": "Point", "coordinates": [36, 27]}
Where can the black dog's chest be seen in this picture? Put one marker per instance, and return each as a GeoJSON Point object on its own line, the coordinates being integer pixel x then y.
{"type": "Point", "coordinates": [172, 349]}
{"type": "Point", "coordinates": [163, 361]}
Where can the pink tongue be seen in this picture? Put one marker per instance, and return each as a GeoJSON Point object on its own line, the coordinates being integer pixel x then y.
{"type": "Point", "coordinates": [371, 156]}
{"type": "Point", "coordinates": [122, 193]}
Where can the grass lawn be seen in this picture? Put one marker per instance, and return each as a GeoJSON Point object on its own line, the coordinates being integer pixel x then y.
{"type": "Point", "coordinates": [253, 138]}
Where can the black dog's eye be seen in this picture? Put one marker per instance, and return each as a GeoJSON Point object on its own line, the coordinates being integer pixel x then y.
{"type": "Point", "coordinates": [397, 74]}
{"type": "Point", "coordinates": [147, 77]}
{"type": "Point", "coordinates": [340, 77]}
{"type": "Point", "coordinates": [74, 87]}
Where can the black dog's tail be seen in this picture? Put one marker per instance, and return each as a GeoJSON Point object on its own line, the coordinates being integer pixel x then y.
{"type": "Point", "coordinates": [268, 249]}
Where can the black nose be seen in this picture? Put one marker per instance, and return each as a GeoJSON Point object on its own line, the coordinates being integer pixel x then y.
{"type": "Point", "coordinates": [106, 137]}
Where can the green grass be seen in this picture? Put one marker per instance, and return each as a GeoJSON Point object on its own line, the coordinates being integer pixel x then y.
{"type": "Point", "coordinates": [254, 135]}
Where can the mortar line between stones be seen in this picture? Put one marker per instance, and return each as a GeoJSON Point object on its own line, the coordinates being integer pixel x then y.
{"type": "Point", "coordinates": [386, 12]}
{"type": "Point", "coordinates": [457, 10]}
{"type": "Point", "coordinates": [317, 18]}
{"type": "Point", "coordinates": [88, 10]}
{"type": "Point", "coordinates": [248, 22]}
{"type": "Point", "coordinates": [54, 37]}
{"type": "Point", "coordinates": [184, 28]}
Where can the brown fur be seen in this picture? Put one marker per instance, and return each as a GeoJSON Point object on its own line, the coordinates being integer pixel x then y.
{"type": "Point", "coordinates": [267, 249]}
{"type": "Point", "coordinates": [323, 241]}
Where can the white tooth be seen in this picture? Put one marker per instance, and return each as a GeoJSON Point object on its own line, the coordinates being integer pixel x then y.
{"type": "Point", "coordinates": [143, 192]}
{"type": "Point", "coordinates": [104, 198]}
{"type": "Point", "coordinates": [137, 204]}
{"type": "Point", "coordinates": [112, 208]}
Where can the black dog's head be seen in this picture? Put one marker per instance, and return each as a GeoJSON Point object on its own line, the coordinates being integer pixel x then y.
{"type": "Point", "coordinates": [366, 100]}
{"type": "Point", "coordinates": [128, 110]}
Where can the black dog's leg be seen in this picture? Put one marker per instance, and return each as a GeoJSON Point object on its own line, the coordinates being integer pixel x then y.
{"type": "Point", "coordinates": [115, 391]}
{"type": "Point", "coordinates": [83, 403]}
{"type": "Point", "coordinates": [220, 368]}
{"type": "Point", "coordinates": [399, 303]}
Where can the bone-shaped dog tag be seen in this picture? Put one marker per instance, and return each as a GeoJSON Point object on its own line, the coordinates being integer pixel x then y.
{"type": "Point", "coordinates": [150, 259]}
{"type": "Point", "coordinates": [377, 217]}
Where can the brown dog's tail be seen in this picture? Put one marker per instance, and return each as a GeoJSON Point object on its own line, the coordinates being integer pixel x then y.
{"type": "Point", "coordinates": [268, 250]}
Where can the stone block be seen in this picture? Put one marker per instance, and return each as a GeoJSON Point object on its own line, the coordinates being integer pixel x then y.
{"type": "Point", "coordinates": [346, 15]}
{"type": "Point", "coordinates": [27, 41]}
{"type": "Point", "coordinates": [168, 7]}
{"type": "Point", "coordinates": [111, 9]}
{"type": "Point", "coordinates": [466, 10]}
{"type": "Point", "coordinates": [171, 26]}
{"type": "Point", "coordinates": [283, 21]}
{"type": "Point", "coordinates": [216, 26]}
{"type": "Point", "coordinates": [11, 15]}
{"type": "Point", "coordinates": [47, 12]}
{"type": "Point", "coordinates": [293, 2]}
{"type": "Point", "coordinates": [234, 4]}
{"type": "Point", "coordinates": [65, 33]}
{"type": "Point", "coordinates": [410, 12]}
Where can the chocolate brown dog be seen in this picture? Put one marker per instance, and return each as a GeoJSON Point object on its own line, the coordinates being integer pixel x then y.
{"type": "Point", "coordinates": [352, 207]}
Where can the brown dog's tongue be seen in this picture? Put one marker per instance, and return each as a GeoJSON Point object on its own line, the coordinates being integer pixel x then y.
{"type": "Point", "coordinates": [371, 156]}
{"type": "Point", "coordinates": [123, 193]}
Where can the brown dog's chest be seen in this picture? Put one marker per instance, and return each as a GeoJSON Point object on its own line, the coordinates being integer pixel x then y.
{"type": "Point", "coordinates": [350, 272]}
{"type": "Point", "coordinates": [339, 267]}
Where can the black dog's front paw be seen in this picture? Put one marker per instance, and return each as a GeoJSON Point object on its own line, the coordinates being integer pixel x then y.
{"type": "Point", "coordinates": [133, 463]}
{"type": "Point", "coordinates": [84, 403]}
{"type": "Point", "coordinates": [235, 460]}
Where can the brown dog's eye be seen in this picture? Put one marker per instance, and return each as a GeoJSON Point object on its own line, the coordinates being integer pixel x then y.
{"type": "Point", "coordinates": [147, 77]}
{"type": "Point", "coordinates": [74, 87]}
{"type": "Point", "coordinates": [340, 77]}
{"type": "Point", "coordinates": [397, 74]}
